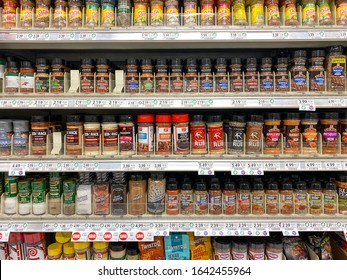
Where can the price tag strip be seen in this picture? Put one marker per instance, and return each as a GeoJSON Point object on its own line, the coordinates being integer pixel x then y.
{"type": "Point", "coordinates": [254, 168]}
{"type": "Point", "coordinates": [238, 168]}
{"type": "Point", "coordinates": [206, 168]}
{"type": "Point", "coordinates": [217, 229]}
{"type": "Point", "coordinates": [202, 229]}
{"type": "Point", "coordinates": [289, 229]}
{"type": "Point", "coordinates": [181, 227]}
{"type": "Point", "coordinates": [306, 105]}
{"type": "Point", "coordinates": [160, 229]}
{"type": "Point", "coordinates": [4, 232]}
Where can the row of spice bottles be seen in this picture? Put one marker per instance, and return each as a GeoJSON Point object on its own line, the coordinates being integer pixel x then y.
{"type": "Point", "coordinates": [106, 14]}
{"type": "Point", "coordinates": [160, 194]}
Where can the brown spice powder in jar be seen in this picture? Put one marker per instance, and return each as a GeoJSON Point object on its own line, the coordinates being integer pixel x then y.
{"type": "Point", "coordinates": [12, 77]}
{"type": "Point", "coordinates": [180, 124]}
{"type": "Point", "coordinates": [215, 197]}
{"type": "Point", "coordinates": [236, 78]}
{"type": "Point", "coordinates": [39, 132]}
{"type": "Point", "coordinates": [126, 135]}
{"type": "Point", "coordinates": [42, 76]}
{"type": "Point", "coordinates": [172, 206]}
{"type": "Point", "coordinates": [221, 76]}
{"type": "Point", "coordinates": [201, 197]}
{"type": "Point", "coordinates": [102, 198]}
{"type": "Point", "coordinates": [251, 75]}
{"type": "Point", "coordinates": [244, 199]}
{"type": "Point", "coordinates": [258, 198]}
{"type": "Point", "coordinates": [316, 71]}
{"type": "Point", "coordinates": [329, 130]}
{"type": "Point", "coordinates": [336, 69]}
{"type": "Point", "coordinates": [254, 135]}
{"type": "Point", "coordinates": [109, 135]}
{"type": "Point", "coordinates": [176, 78]}
{"type": "Point", "coordinates": [137, 195]}
{"type": "Point", "coordinates": [206, 77]}
{"type": "Point", "coordinates": [291, 133]}
{"type": "Point", "coordinates": [132, 76]}
{"type": "Point", "coordinates": [330, 198]}
{"type": "Point", "coordinates": [272, 133]}
{"type": "Point", "coordinates": [198, 135]}
{"type": "Point", "coordinates": [341, 184]}
{"type": "Point", "coordinates": [27, 80]}
{"type": "Point", "coordinates": [282, 76]}
{"type": "Point", "coordinates": [102, 75]}
{"type": "Point", "coordinates": [163, 134]}
{"type": "Point", "coordinates": [191, 78]}
{"type": "Point", "coordinates": [343, 132]}
{"type": "Point", "coordinates": [286, 198]}
{"type": "Point", "coordinates": [87, 76]}
{"type": "Point", "coordinates": [272, 198]}
{"type": "Point", "coordinates": [309, 133]}
{"type": "Point", "coordinates": [91, 135]}
{"type": "Point", "coordinates": [298, 71]}
{"type": "Point", "coordinates": [300, 198]}
{"type": "Point", "coordinates": [236, 134]}
{"type": "Point", "coordinates": [147, 77]}
{"type": "Point", "coordinates": [57, 75]}
{"type": "Point", "coordinates": [266, 75]}
{"type": "Point", "coordinates": [229, 198]}
{"type": "Point", "coordinates": [74, 132]}
{"type": "Point", "coordinates": [162, 77]}
{"type": "Point", "coordinates": [187, 198]}
{"type": "Point", "coordinates": [215, 133]}
{"type": "Point", "coordinates": [315, 203]}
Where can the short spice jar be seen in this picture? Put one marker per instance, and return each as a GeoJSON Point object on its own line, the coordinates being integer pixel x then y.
{"type": "Point", "coordinates": [291, 133]}
{"type": "Point", "coordinates": [109, 135]}
{"type": "Point", "coordinates": [100, 250]}
{"type": "Point", "coordinates": [215, 197]}
{"type": "Point", "coordinates": [91, 135]}
{"type": "Point", "coordinates": [229, 198]}
{"type": "Point", "coordinates": [68, 251]}
{"type": "Point", "coordinates": [282, 75]}
{"type": "Point", "coordinates": [251, 75]}
{"type": "Point", "coordinates": [87, 76]}
{"type": "Point", "coordinates": [198, 135]}
{"type": "Point", "coordinates": [298, 71]}
{"type": "Point", "coordinates": [162, 77]}
{"type": "Point", "coordinates": [126, 128]}
{"type": "Point", "coordinates": [137, 195]}
{"type": "Point", "coordinates": [206, 77]}
{"type": "Point", "coordinates": [55, 251]}
{"type": "Point", "coordinates": [163, 134]}
{"type": "Point", "coordinates": [42, 76]}
{"type": "Point", "coordinates": [254, 134]}
{"type": "Point", "coordinates": [336, 69]}
{"type": "Point", "coordinates": [180, 124]}
{"type": "Point", "coordinates": [221, 76]}
{"type": "Point", "coordinates": [132, 76]}
{"type": "Point", "coordinates": [74, 132]}
{"type": "Point", "coordinates": [329, 130]}
{"type": "Point", "coordinates": [236, 77]}
{"type": "Point", "coordinates": [27, 80]}
{"type": "Point", "coordinates": [82, 250]}
{"type": "Point", "coordinates": [330, 198]}
{"type": "Point", "coordinates": [215, 131]}
{"type": "Point", "coordinates": [315, 202]}
{"type": "Point", "coordinates": [102, 84]}
{"type": "Point", "coordinates": [272, 133]}
{"type": "Point", "coordinates": [236, 134]}
{"type": "Point", "coordinates": [316, 71]}
{"type": "Point", "coordinates": [39, 132]}
{"type": "Point", "coordinates": [191, 77]}
{"type": "Point", "coordinates": [172, 206]}
{"type": "Point", "coordinates": [266, 75]}
{"type": "Point", "coordinates": [200, 197]}
{"type": "Point", "coordinates": [147, 77]}
{"type": "Point", "coordinates": [300, 198]}
{"type": "Point", "coordinates": [243, 198]}
{"type": "Point", "coordinates": [187, 197]}
{"type": "Point", "coordinates": [6, 132]}
{"type": "Point", "coordinates": [272, 198]}
{"type": "Point", "coordinates": [12, 77]}
{"type": "Point", "coordinates": [117, 251]}
{"type": "Point", "coordinates": [309, 132]}
{"type": "Point", "coordinates": [145, 134]}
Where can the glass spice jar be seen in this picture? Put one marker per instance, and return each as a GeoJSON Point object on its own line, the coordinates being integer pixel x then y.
{"type": "Point", "coordinates": [215, 197]}
{"type": "Point", "coordinates": [329, 131]}
{"type": "Point", "coordinates": [119, 194]}
{"type": "Point", "coordinates": [343, 132]}
{"type": "Point", "coordinates": [91, 130]}
{"type": "Point", "coordinates": [101, 190]}
{"type": "Point", "coordinates": [57, 76]}
{"type": "Point", "coordinates": [42, 13]}
{"type": "Point", "coordinates": [286, 198]}
{"type": "Point", "coordinates": [27, 80]}
{"type": "Point", "coordinates": [221, 76]}
{"type": "Point", "coordinates": [137, 195]}
{"type": "Point", "coordinates": [273, 13]}
{"type": "Point", "coordinates": [236, 134]}
{"type": "Point", "coordinates": [126, 135]}
{"type": "Point", "coordinates": [330, 198]}
{"type": "Point", "coordinates": [108, 14]}
{"type": "Point", "coordinates": [300, 198]}
{"type": "Point", "coordinates": [308, 12]}
{"type": "Point", "coordinates": [266, 75]}
{"type": "Point", "coordinates": [258, 198]}
{"type": "Point", "coordinates": [132, 76]}
{"type": "Point", "coordinates": [156, 193]}
{"type": "Point", "coordinates": [145, 134]}
{"type": "Point", "coordinates": [282, 76]}
{"type": "Point", "coordinates": [291, 133]}
{"type": "Point", "coordinates": [21, 138]}
{"type": "Point", "coordinates": [191, 77]}
{"type": "Point", "coordinates": [341, 11]}
{"type": "Point", "coordinates": [69, 195]}
{"type": "Point", "coordinates": [298, 71]}
{"type": "Point", "coordinates": [176, 77]}
{"type": "Point", "coordinates": [201, 197]}
{"type": "Point", "coordinates": [74, 132]}
{"type": "Point", "coordinates": [251, 75]}
{"type": "Point", "coordinates": [109, 135]}
{"type": "Point", "coordinates": [92, 13]}
{"type": "Point", "coordinates": [198, 135]}
{"type": "Point", "coordinates": [324, 13]}
{"type": "Point", "coordinates": [75, 13]}
{"type": "Point", "coordinates": [42, 76]}
{"type": "Point", "coordinates": [140, 12]}
{"type": "Point", "coordinates": [172, 206]}
{"type": "Point", "coordinates": [272, 133]}
{"type": "Point", "coordinates": [181, 143]}
{"type": "Point", "coordinates": [147, 77]}
{"type": "Point", "coordinates": [163, 134]}
{"type": "Point", "coordinates": [186, 198]}
{"type": "Point", "coordinates": [162, 77]}
{"type": "Point", "coordinates": [223, 12]}
{"type": "Point", "coordinates": [236, 78]}
{"type": "Point", "coordinates": [157, 12]}
{"type": "Point", "coordinates": [309, 133]}
{"type": "Point", "coordinates": [272, 198]}
{"type": "Point", "coordinates": [190, 13]}
{"type": "Point", "coordinates": [59, 13]}
{"type": "Point", "coordinates": [315, 202]}
{"type": "Point", "coordinates": [216, 143]}
{"type": "Point", "coordinates": [257, 13]}
{"type": "Point", "coordinates": [244, 199]}
{"type": "Point", "coordinates": [316, 71]}
{"type": "Point", "coordinates": [336, 69]}
{"type": "Point", "coordinates": [229, 198]}
{"type": "Point", "coordinates": [207, 17]}
{"type": "Point", "coordinates": [254, 135]}
{"type": "Point", "coordinates": [6, 132]}
{"type": "Point", "coordinates": [172, 13]}
{"type": "Point", "coordinates": [239, 12]}
{"type": "Point", "coordinates": [9, 13]}
{"type": "Point", "coordinates": [26, 13]}
{"type": "Point", "coordinates": [12, 77]}
{"type": "Point", "coordinates": [39, 132]}
{"type": "Point", "coordinates": [341, 184]}
{"type": "Point", "coordinates": [102, 84]}
{"type": "Point", "coordinates": [87, 76]}
{"type": "Point", "coordinates": [206, 77]}
{"type": "Point", "coordinates": [290, 12]}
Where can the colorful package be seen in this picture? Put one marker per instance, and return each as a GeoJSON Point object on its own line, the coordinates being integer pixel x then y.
{"type": "Point", "coordinates": [200, 247]}
{"type": "Point", "coordinates": [177, 246]}
{"type": "Point", "coordinates": [152, 250]}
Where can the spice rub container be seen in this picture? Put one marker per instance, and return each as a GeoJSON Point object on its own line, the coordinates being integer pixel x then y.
{"type": "Point", "coordinates": [329, 130]}
{"type": "Point", "coordinates": [298, 71]}
{"type": "Point", "coordinates": [91, 135]}
{"type": "Point", "coordinates": [291, 133]}
{"type": "Point", "coordinates": [156, 193]}
{"type": "Point", "coordinates": [336, 69]}
{"type": "Point", "coordinates": [236, 134]}
{"type": "Point", "coordinates": [109, 135]}
{"type": "Point", "coordinates": [137, 195]}
{"type": "Point", "coordinates": [198, 135]}
{"type": "Point", "coordinates": [21, 138]}
{"type": "Point", "coordinates": [126, 135]}
{"type": "Point", "coordinates": [254, 134]}
{"type": "Point", "coordinates": [215, 131]}
{"type": "Point", "coordinates": [309, 132]}
{"type": "Point", "coordinates": [74, 132]}
{"type": "Point", "coordinates": [272, 133]}
{"type": "Point", "coordinates": [145, 134]}
{"type": "Point", "coordinates": [181, 142]}
{"type": "Point", "coordinates": [39, 132]}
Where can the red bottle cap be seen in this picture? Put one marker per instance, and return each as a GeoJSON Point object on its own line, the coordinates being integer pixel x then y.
{"type": "Point", "coordinates": [148, 118]}
{"type": "Point", "coordinates": [163, 118]}
{"type": "Point", "coordinates": [34, 237]}
{"type": "Point", "coordinates": [180, 118]}
{"type": "Point", "coordinates": [15, 237]}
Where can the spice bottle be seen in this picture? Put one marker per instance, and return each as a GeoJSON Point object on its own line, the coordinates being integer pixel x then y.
{"type": "Point", "coordinates": [119, 194]}
{"type": "Point", "coordinates": [236, 77]}
{"type": "Point", "coordinates": [9, 13]}
{"type": "Point", "coordinates": [336, 68]}
{"type": "Point", "coordinates": [254, 135]}
{"type": "Point", "coordinates": [221, 76]}
{"type": "Point", "coordinates": [102, 76]}
{"type": "Point", "coordinates": [180, 123]}
{"type": "Point", "coordinates": [69, 194]}
{"type": "Point", "coordinates": [57, 76]}
{"type": "Point", "coordinates": [42, 76]}
{"type": "Point", "coordinates": [176, 77]}
{"type": "Point", "coordinates": [147, 77]}
{"type": "Point", "coordinates": [75, 13]}
{"type": "Point", "coordinates": [140, 12]}
{"type": "Point", "coordinates": [291, 133]}
{"type": "Point", "coordinates": [157, 12]}
{"type": "Point", "coordinates": [308, 12]}
{"type": "Point", "coordinates": [286, 198]}
{"type": "Point", "coordinates": [82, 250]}
{"type": "Point", "coordinates": [59, 13]}
{"type": "Point", "coordinates": [243, 199]}
{"type": "Point", "coordinates": [256, 249]}
{"type": "Point", "coordinates": [251, 75]}
{"type": "Point", "coordinates": [316, 71]}
{"type": "Point", "coordinates": [2, 71]}
{"type": "Point", "coordinates": [221, 248]}
{"type": "Point", "coordinates": [309, 133]}
{"type": "Point", "coordinates": [27, 80]}
{"type": "Point", "coordinates": [117, 251]}
{"type": "Point", "coordinates": [145, 141]}
{"type": "Point", "coordinates": [92, 13]}
{"type": "Point", "coordinates": [123, 13]}
{"type": "Point", "coordinates": [172, 13]}
{"type": "Point", "coordinates": [215, 197]}
{"type": "Point", "coordinates": [343, 132]}
{"type": "Point", "coordinates": [324, 12]}
{"type": "Point", "coordinates": [258, 198]}
{"type": "Point", "coordinates": [87, 76]}
{"type": "Point", "coordinates": [190, 16]}
{"type": "Point", "coordinates": [341, 184]}
{"type": "Point", "coordinates": [191, 77]}
{"type": "Point", "coordinates": [21, 138]}
{"type": "Point", "coordinates": [257, 13]}
{"type": "Point", "coordinates": [42, 13]}
{"type": "Point", "coordinates": [101, 191]}
{"type": "Point", "coordinates": [198, 135]}
{"type": "Point", "coordinates": [273, 13]}
{"type": "Point", "coordinates": [132, 251]}
{"type": "Point", "coordinates": [91, 135]}
{"type": "Point", "coordinates": [201, 197]}
{"type": "Point", "coordinates": [266, 75]}
{"type": "Point", "coordinates": [298, 71]}
{"type": "Point", "coordinates": [132, 76]}
{"type": "Point", "coordinates": [100, 250]}
{"type": "Point", "coordinates": [39, 131]}
{"type": "Point", "coordinates": [11, 192]}
{"type": "Point", "coordinates": [206, 77]}
{"type": "Point", "coordinates": [229, 198]}
{"type": "Point", "coordinates": [315, 202]}
{"type": "Point", "coordinates": [282, 76]}
{"type": "Point", "coordinates": [55, 191]}
{"type": "Point", "coordinates": [12, 77]}
{"type": "Point", "coordinates": [272, 133]}
{"type": "Point", "coordinates": [6, 132]}
{"type": "Point", "coordinates": [35, 245]}
{"type": "Point", "coordinates": [24, 197]}
{"type": "Point", "coordinates": [236, 134]}
{"type": "Point", "coordinates": [341, 12]}
{"type": "Point", "coordinates": [239, 12]}
{"type": "Point", "coordinates": [55, 252]}
{"type": "Point", "coordinates": [291, 14]}
{"type": "Point", "coordinates": [329, 130]}
{"type": "Point", "coordinates": [223, 12]}
{"type": "Point", "coordinates": [137, 195]}
{"type": "Point", "coordinates": [330, 198]}
{"type": "Point", "coordinates": [172, 205]}
{"type": "Point", "coordinates": [300, 198]}
{"type": "Point", "coordinates": [163, 134]}
{"type": "Point", "coordinates": [38, 187]}
{"type": "Point", "coordinates": [216, 143]}
{"type": "Point", "coordinates": [74, 132]}
{"type": "Point", "coordinates": [272, 198]}
{"type": "Point", "coordinates": [162, 78]}
{"type": "Point", "coordinates": [156, 193]}
{"type": "Point", "coordinates": [126, 135]}
{"type": "Point", "coordinates": [68, 251]}
{"type": "Point", "coordinates": [207, 17]}
{"type": "Point", "coordinates": [109, 135]}
{"type": "Point", "coordinates": [186, 198]}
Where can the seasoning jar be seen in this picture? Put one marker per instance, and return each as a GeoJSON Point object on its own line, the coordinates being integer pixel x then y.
{"type": "Point", "coordinates": [315, 203]}
{"type": "Point", "coordinates": [216, 143]}
{"type": "Point", "coordinates": [290, 12]}
{"type": "Point", "coordinates": [109, 135]}
{"type": "Point", "coordinates": [330, 198]}
{"type": "Point", "coordinates": [75, 13]}
{"type": "Point", "coordinates": [176, 77]}
{"type": "Point", "coordinates": [82, 250]}
{"type": "Point", "coordinates": [55, 191]}
{"type": "Point", "coordinates": [69, 194]}
{"type": "Point", "coordinates": [35, 245]}
{"type": "Point", "coordinates": [140, 12]}
{"type": "Point", "coordinates": [100, 250]}
{"type": "Point", "coordinates": [186, 198]}
{"type": "Point", "coordinates": [266, 75]}
{"type": "Point", "coordinates": [239, 12]}
{"type": "Point", "coordinates": [308, 12]}
{"type": "Point", "coordinates": [341, 12]}
{"type": "Point", "coordinates": [42, 13]}
{"type": "Point", "coordinates": [254, 135]}
{"type": "Point", "coordinates": [163, 134]}
{"type": "Point", "coordinates": [251, 75]}
{"type": "Point", "coordinates": [324, 13]}
{"type": "Point", "coordinates": [239, 249]}
{"type": "Point", "coordinates": [223, 12]}
{"type": "Point", "coordinates": [91, 135]}
{"type": "Point", "coordinates": [207, 17]}
{"type": "Point", "coordinates": [316, 71]}
{"type": "Point", "coordinates": [286, 198]}
{"type": "Point", "coordinates": [273, 13]}
{"type": "Point", "coordinates": [38, 187]}
{"type": "Point", "coordinates": [39, 131]}
{"type": "Point", "coordinates": [2, 71]}
{"type": "Point", "coordinates": [258, 198]}
{"type": "Point", "coordinates": [42, 76]}
{"type": "Point", "coordinates": [21, 138]}
{"type": "Point", "coordinates": [108, 14]}
{"type": "Point", "coordinates": [329, 130]}
{"type": "Point", "coordinates": [74, 132]}
{"type": "Point", "coordinates": [117, 251]}
{"type": "Point", "coordinates": [11, 192]}
{"type": "Point", "coordinates": [12, 77]}
{"type": "Point", "coordinates": [190, 17]}
{"type": "Point", "coordinates": [172, 13]}
{"type": "Point", "coordinates": [55, 252]}
{"type": "Point", "coordinates": [221, 76]}
{"type": "Point", "coordinates": [215, 197]}
{"type": "Point", "coordinates": [221, 247]}
{"type": "Point", "coordinates": [282, 76]}
{"type": "Point", "coordinates": [206, 77]}
{"type": "Point", "coordinates": [63, 237]}
{"type": "Point", "coordinates": [26, 13]}
{"type": "Point", "coordinates": [87, 76]}
{"type": "Point", "coordinates": [191, 77]}
{"type": "Point", "coordinates": [9, 13]}
{"type": "Point", "coordinates": [256, 250]}
{"type": "Point", "coordinates": [272, 198]}
{"type": "Point", "coordinates": [101, 191]}
{"type": "Point", "coordinates": [132, 251]}
{"type": "Point", "coordinates": [24, 197]}
{"type": "Point", "coordinates": [236, 134]}
{"type": "Point", "coordinates": [180, 123]}
{"type": "Point", "coordinates": [92, 13]}
{"type": "Point", "coordinates": [156, 193]}
{"type": "Point", "coordinates": [157, 12]}
{"type": "Point", "coordinates": [309, 133]}
{"type": "Point", "coordinates": [147, 77]}
{"type": "Point", "coordinates": [102, 76]}
{"type": "Point", "coordinates": [272, 133]}
{"type": "Point", "coordinates": [6, 132]}
{"type": "Point", "coordinates": [132, 76]}
{"type": "Point", "coordinates": [27, 80]}
{"type": "Point", "coordinates": [119, 194]}
{"type": "Point", "coordinates": [59, 13]}
{"type": "Point", "coordinates": [257, 13]}
{"type": "Point", "coordinates": [201, 198]}
{"type": "Point", "coordinates": [123, 12]}
{"type": "Point", "coordinates": [300, 198]}
{"type": "Point", "coordinates": [274, 249]}
{"type": "Point", "coordinates": [145, 135]}
{"type": "Point", "coordinates": [68, 251]}
{"type": "Point", "coordinates": [343, 132]}
{"type": "Point", "coordinates": [57, 76]}
{"type": "Point", "coordinates": [229, 198]}
{"type": "Point", "coordinates": [336, 68]}
{"type": "Point", "coordinates": [236, 77]}
{"type": "Point", "coordinates": [341, 184]}
{"type": "Point", "coordinates": [291, 133]}
{"type": "Point", "coordinates": [243, 199]}
{"type": "Point", "coordinates": [172, 197]}
{"type": "Point", "coordinates": [126, 128]}
{"type": "Point", "coordinates": [162, 77]}
{"type": "Point", "coordinates": [198, 135]}
{"type": "Point", "coordinates": [137, 195]}
{"type": "Point", "coordinates": [298, 71]}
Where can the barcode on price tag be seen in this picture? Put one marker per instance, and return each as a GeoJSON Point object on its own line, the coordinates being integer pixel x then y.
{"type": "Point", "coordinates": [306, 105]}
{"type": "Point", "coordinates": [205, 168]}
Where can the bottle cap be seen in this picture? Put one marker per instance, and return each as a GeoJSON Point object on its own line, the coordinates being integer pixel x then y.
{"type": "Point", "coordinates": [145, 118]}
{"type": "Point", "coordinates": [109, 119]}
{"type": "Point", "coordinates": [55, 249]}
{"type": "Point", "coordinates": [91, 119]}
{"type": "Point", "coordinates": [176, 118]}
{"type": "Point", "coordinates": [125, 118]}
{"type": "Point", "coordinates": [74, 118]}
{"type": "Point", "coordinates": [164, 118]}
{"type": "Point", "coordinates": [214, 118]}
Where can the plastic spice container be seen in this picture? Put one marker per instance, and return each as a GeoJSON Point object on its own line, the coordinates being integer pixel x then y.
{"type": "Point", "coordinates": [101, 197]}
{"type": "Point", "coordinates": [11, 192]}
{"type": "Point", "coordinates": [191, 77]}
{"type": "Point", "coordinates": [336, 69]}
{"type": "Point", "coordinates": [24, 197]}
{"type": "Point", "coordinates": [180, 124]}
{"type": "Point", "coordinates": [329, 130]}
{"type": "Point", "coordinates": [54, 252]}
{"type": "Point", "coordinates": [140, 12]}
{"type": "Point", "coordinates": [198, 135]}
{"type": "Point", "coordinates": [100, 250]}
{"type": "Point", "coordinates": [117, 251]}
{"type": "Point", "coordinates": [119, 194]}
{"type": "Point", "coordinates": [157, 12]}
{"type": "Point", "coordinates": [273, 13]}
{"type": "Point", "coordinates": [35, 245]}
{"type": "Point", "coordinates": [82, 250]}
{"type": "Point", "coordinates": [274, 249]}
{"type": "Point", "coordinates": [341, 10]}
{"type": "Point", "coordinates": [68, 251]}
{"type": "Point", "coordinates": [215, 133]}
{"type": "Point", "coordinates": [272, 198]}
{"type": "Point", "coordinates": [102, 76]}
{"type": "Point", "coordinates": [84, 196]}
{"type": "Point", "coordinates": [222, 246]}
{"type": "Point", "coordinates": [123, 12]}
{"type": "Point", "coordinates": [74, 132]}
{"type": "Point", "coordinates": [330, 198]}
{"type": "Point", "coordinates": [290, 11]}
{"type": "Point", "coordinates": [272, 133]}
{"type": "Point", "coordinates": [251, 75]}
{"type": "Point", "coordinates": [39, 131]}
{"type": "Point", "coordinates": [163, 134]}
{"type": "Point", "coordinates": [291, 133]}
{"type": "Point", "coordinates": [229, 198]}
{"type": "Point", "coordinates": [75, 13]}
{"type": "Point", "coordinates": [201, 198]}
{"type": "Point", "coordinates": [239, 12]}
{"type": "Point", "coordinates": [215, 197]}
{"type": "Point", "coordinates": [137, 195]}
{"type": "Point", "coordinates": [258, 198]}
{"type": "Point", "coordinates": [55, 191]}
{"type": "Point", "coordinates": [309, 133]}
{"type": "Point", "coordinates": [190, 17]}
{"type": "Point", "coordinates": [42, 76]}
{"type": "Point", "coordinates": [254, 136]}
{"type": "Point", "coordinates": [69, 195]}
{"type": "Point", "coordinates": [236, 134]}
{"type": "Point", "coordinates": [223, 12]}
{"type": "Point", "coordinates": [147, 77]}
{"type": "Point", "coordinates": [132, 251]}
{"type": "Point", "coordinates": [92, 13]}
{"type": "Point", "coordinates": [308, 12]}
{"type": "Point", "coordinates": [298, 71]}
{"type": "Point", "coordinates": [108, 14]}
{"type": "Point", "coordinates": [316, 71]}
{"type": "Point", "coordinates": [12, 77]}
{"type": "Point", "coordinates": [27, 80]}
{"type": "Point", "coordinates": [187, 198]}
{"type": "Point", "coordinates": [221, 76]}
{"type": "Point", "coordinates": [38, 187]}
{"type": "Point", "coordinates": [109, 135]}
{"type": "Point", "coordinates": [126, 135]}
{"type": "Point", "coordinates": [257, 13]}
{"type": "Point", "coordinates": [172, 197]}
{"type": "Point", "coordinates": [256, 250]}
{"type": "Point", "coordinates": [324, 13]}
{"type": "Point", "coordinates": [286, 198]}
{"type": "Point", "coordinates": [315, 202]}
{"type": "Point", "coordinates": [236, 78]}
{"type": "Point", "coordinates": [243, 199]}
{"type": "Point", "coordinates": [91, 135]}
{"type": "Point", "coordinates": [207, 17]}
{"type": "Point", "coordinates": [282, 76]}
{"type": "Point", "coordinates": [341, 184]}
{"type": "Point", "coordinates": [300, 198]}
{"type": "Point", "coordinates": [206, 77]}
{"type": "Point", "coordinates": [156, 193]}
{"type": "Point", "coordinates": [59, 13]}
{"type": "Point", "coordinates": [42, 13]}
{"type": "Point", "coordinates": [87, 76]}
{"type": "Point", "coordinates": [239, 249]}
{"type": "Point", "coordinates": [2, 71]}
{"type": "Point", "coordinates": [266, 75]}
{"type": "Point", "coordinates": [132, 76]}
{"type": "Point", "coordinates": [176, 77]}
{"type": "Point", "coordinates": [6, 132]}
{"type": "Point", "coordinates": [63, 237]}
{"type": "Point", "coordinates": [145, 135]}
{"type": "Point", "coordinates": [343, 132]}
{"type": "Point", "coordinates": [9, 13]}
{"type": "Point", "coordinates": [162, 77]}
{"type": "Point", "coordinates": [172, 13]}
{"type": "Point", "coordinates": [57, 76]}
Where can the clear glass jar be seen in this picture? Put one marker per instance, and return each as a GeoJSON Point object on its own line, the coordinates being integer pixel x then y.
{"type": "Point", "coordinates": [87, 76]}
{"type": "Point", "coordinates": [91, 130]}
{"type": "Point", "coordinates": [42, 76]}
{"type": "Point", "coordinates": [221, 76]}
{"type": "Point", "coordinates": [239, 12]}
{"type": "Point", "coordinates": [172, 13]}
{"type": "Point", "coordinates": [26, 13]}
{"type": "Point", "coordinates": [42, 13]}
{"type": "Point", "coordinates": [108, 14]}
{"type": "Point", "coordinates": [251, 75]}
{"type": "Point", "coordinates": [156, 193]}
{"type": "Point", "coordinates": [309, 132]}
{"type": "Point", "coordinates": [198, 134]}
{"type": "Point", "coordinates": [92, 13]}
{"type": "Point", "coordinates": [137, 195]}
{"type": "Point", "coordinates": [282, 76]}
{"type": "Point", "coordinates": [300, 198]}
{"type": "Point", "coordinates": [59, 13]}
{"type": "Point", "coordinates": [190, 17]}
{"type": "Point", "coordinates": [75, 13]}
{"type": "Point", "coordinates": [206, 77]}
{"type": "Point", "coordinates": [298, 71]}
{"type": "Point", "coordinates": [308, 12]}
{"type": "Point", "coordinates": [157, 12]}
{"type": "Point", "coordinates": [316, 71]}
{"type": "Point", "coordinates": [254, 135]}
{"type": "Point", "coordinates": [223, 12]}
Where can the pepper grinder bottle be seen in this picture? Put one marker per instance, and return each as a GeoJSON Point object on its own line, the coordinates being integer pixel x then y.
{"type": "Point", "coordinates": [215, 197]}
{"type": "Point", "coordinates": [187, 198]}
{"type": "Point", "coordinates": [201, 197]}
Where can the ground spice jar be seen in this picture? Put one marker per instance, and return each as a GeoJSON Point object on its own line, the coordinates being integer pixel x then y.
{"type": "Point", "coordinates": [102, 76]}
{"type": "Point", "coordinates": [87, 76]}
{"type": "Point", "coordinates": [186, 198]}
{"type": "Point", "coordinates": [207, 17]}
{"type": "Point", "coordinates": [55, 252]}
{"type": "Point", "coordinates": [286, 198]}
{"type": "Point", "coordinates": [176, 77]}
{"type": "Point", "coordinates": [215, 197]}
{"type": "Point", "coordinates": [123, 12]}
{"type": "Point", "coordinates": [27, 80]}
{"type": "Point", "coordinates": [91, 132]}
{"type": "Point", "coordinates": [336, 69]}
{"type": "Point", "coordinates": [42, 76]}
{"type": "Point", "coordinates": [100, 250]}
{"type": "Point", "coordinates": [59, 13]}
{"type": "Point", "coordinates": [300, 198]}
{"type": "Point", "coordinates": [55, 191]}
{"type": "Point", "coordinates": [236, 78]}
{"type": "Point", "coordinates": [82, 250]}
{"type": "Point", "coordinates": [69, 194]}
{"type": "Point", "coordinates": [11, 192]}
{"type": "Point", "coordinates": [24, 197]}
{"type": "Point", "coordinates": [201, 198]}
{"type": "Point", "coordinates": [21, 137]}
{"type": "Point", "coordinates": [258, 198]}
{"type": "Point", "coordinates": [126, 128]}
{"type": "Point", "coordinates": [9, 13]}
{"type": "Point", "coordinates": [251, 75]}
{"type": "Point", "coordinates": [180, 123]}
{"type": "Point", "coordinates": [38, 187]}
{"type": "Point", "coordinates": [172, 203]}
{"type": "Point", "coordinates": [324, 12]}
{"type": "Point", "coordinates": [75, 13]}
{"type": "Point", "coordinates": [282, 76]}
{"type": "Point", "coordinates": [272, 198]}
{"type": "Point", "coordinates": [315, 202]}
{"type": "Point", "coordinates": [198, 135]}
{"type": "Point", "coordinates": [68, 251]}
{"type": "Point", "coordinates": [57, 76]}
{"type": "Point", "coordinates": [291, 15]}
{"type": "Point", "coordinates": [272, 133]}
{"type": "Point", "coordinates": [117, 251]}
{"type": "Point", "coordinates": [119, 194]}
{"type": "Point", "coordinates": [162, 77]}
{"type": "Point", "coordinates": [309, 133]}
{"type": "Point", "coordinates": [108, 14]}
{"type": "Point", "coordinates": [216, 143]}
{"type": "Point", "coordinates": [145, 134]}
{"type": "Point", "coordinates": [254, 135]}
{"type": "Point", "coordinates": [42, 13]}
{"type": "Point", "coordinates": [190, 16]}
{"type": "Point", "coordinates": [239, 12]}
{"type": "Point", "coordinates": [92, 13]}
{"type": "Point", "coordinates": [229, 198]}
{"type": "Point", "coordinates": [257, 13]}
{"type": "Point", "coordinates": [256, 250]}
{"type": "Point", "coordinates": [221, 76]}
{"type": "Point", "coordinates": [140, 12]}
{"type": "Point", "coordinates": [39, 132]}
{"type": "Point", "coordinates": [191, 77]}
{"type": "Point", "coordinates": [291, 133]}
{"type": "Point", "coordinates": [132, 76]}
{"type": "Point", "coordinates": [343, 132]}
{"type": "Point", "coordinates": [137, 195]}
{"type": "Point", "coordinates": [206, 77]}
{"type": "Point", "coordinates": [147, 77]}
{"type": "Point", "coordinates": [223, 12]}
{"type": "Point", "coordinates": [273, 13]}
{"type": "Point", "coordinates": [132, 251]}
{"type": "Point", "coordinates": [341, 10]}
{"type": "Point", "coordinates": [243, 199]}
{"type": "Point", "coordinates": [236, 134]}
{"type": "Point", "coordinates": [74, 132]}
{"type": "Point", "coordinates": [308, 12]}
{"type": "Point", "coordinates": [316, 71]}
{"type": "Point", "coordinates": [101, 191]}
{"type": "Point", "coordinates": [266, 75]}
{"type": "Point", "coordinates": [329, 130]}
{"type": "Point", "coordinates": [35, 245]}
{"type": "Point", "coordinates": [157, 12]}
{"type": "Point", "coordinates": [341, 184]}
{"type": "Point", "coordinates": [163, 134]}
{"type": "Point", "coordinates": [172, 13]}
{"type": "Point", "coordinates": [298, 71]}
{"type": "Point", "coordinates": [239, 249]}
{"type": "Point", "coordinates": [26, 13]}
{"type": "Point", "coordinates": [109, 135]}
{"type": "Point", "coordinates": [6, 132]}
{"type": "Point", "coordinates": [12, 77]}
{"type": "Point", "coordinates": [156, 193]}
{"type": "Point", "coordinates": [330, 198]}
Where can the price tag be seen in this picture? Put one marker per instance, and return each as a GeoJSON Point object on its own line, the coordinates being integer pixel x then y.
{"type": "Point", "coordinates": [125, 227]}
{"type": "Point", "coordinates": [39, 103]}
{"type": "Point", "coordinates": [96, 103]}
{"type": "Point", "coordinates": [343, 34]}
{"type": "Point", "coordinates": [313, 165]}
{"type": "Point", "coordinates": [69, 166]}
{"type": "Point", "coordinates": [79, 227]}
{"type": "Point", "coordinates": [208, 35]}
{"type": "Point", "coordinates": [80, 103]}
{"type": "Point", "coordinates": [163, 103]}
{"type": "Point", "coordinates": [52, 166]}
{"type": "Point", "coordinates": [20, 103]}
{"type": "Point", "coordinates": [272, 166]}
{"type": "Point", "coordinates": [280, 35]}
{"type": "Point", "coordinates": [159, 166]}
{"type": "Point", "coordinates": [39, 36]}
{"type": "Point", "coordinates": [140, 226]}
{"type": "Point", "coordinates": [35, 166]}
{"type": "Point", "coordinates": [50, 227]}
{"type": "Point", "coordinates": [291, 165]}
{"type": "Point", "coordinates": [306, 105]}
{"type": "Point", "coordinates": [20, 171]}
{"type": "Point", "coordinates": [266, 102]}
{"type": "Point", "coordinates": [113, 103]}
{"type": "Point", "coordinates": [274, 226]}
{"type": "Point", "coordinates": [127, 166]}
{"type": "Point", "coordinates": [18, 227]}
{"type": "Point", "coordinates": [150, 36]}
{"type": "Point", "coordinates": [66, 36]}
{"type": "Point", "coordinates": [332, 165]}
{"type": "Point", "coordinates": [60, 103]}
{"type": "Point", "coordinates": [206, 168]}
{"type": "Point", "coordinates": [89, 166]}
{"type": "Point", "coordinates": [238, 168]}
{"type": "Point", "coordinates": [4, 236]}
{"type": "Point", "coordinates": [110, 226]}
{"type": "Point", "coordinates": [314, 226]}
{"type": "Point", "coordinates": [328, 226]}
{"type": "Point", "coordinates": [254, 168]}
{"type": "Point", "coordinates": [344, 167]}
{"type": "Point", "coordinates": [87, 36]}
{"type": "Point", "coordinates": [260, 229]}
{"type": "Point", "coordinates": [22, 36]}
{"type": "Point", "coordinates": [95, 226]}
{"type": "Point", "coordinates": [217, 229]}
{"type": "Point", "coordinates": [144, 166]}
{"type": "Point", "coordinates": [244, 229]}
{"type": "Point", "coordinates": [171, 36]}
{"type": "Point", "coordinates": [230, 229]}
{"type": "Point", "coordinates": [316, 34]}
{"type": "Point", "coordinates": [238, 102]}
{"type": "Point", "coordinates": [337, 102]}
{"type": "Point", "coordinates": [81, 236]}
{"type": "Point", "coordinates": [289, 229]}
{"type": "Point", "coordinates": [179, 227]}
{"type": "Point", "coordinates": [159, 229]}
{"type": "Point", "coordinates": [201, 229]}
{"type": "Point", "coordinates": [65, 227]}
{"type": "Point", "coordinates": [238, 35]}
{"type": "Point", "coordinates": [8, 103]}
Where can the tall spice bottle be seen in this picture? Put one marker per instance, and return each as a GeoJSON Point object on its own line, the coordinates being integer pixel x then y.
{"type": "Point", "coordinates": [161, 78]}
{"type": "Point", "coordinates": [172, 206]}
{"type": "Point", "coordinates": [147, 77]}
{"type": "Point", "coordinates": [330, 198]}
{"type": "Point", "coordinates": [156, 193]}
{"type": "Point", "coordinates": [215, 197]}
{"type": "Point", "coordinates": [201, 197]}
{"type": "Point", "coordinates": [191, 77]}
{"type": "Point", "coordinates": [254, 135]}
{"type": "Point", "coordinates": [163, 134]}
{"type": "Point", "coordinates": [181, 134]}
{"type": "Point", "coordinates": [221, 76]}
{"type": "Point", "coordinates": [258, 198]}
{"type": "Point", "coordinates": [132, 83]}
{"type": "Point", "coordinates": [272, 198]}
{"type": "Point", "coordinates": [137, 195]}
{"type": "Point", "coordinates": [91, 135]}
{"type": "Point", "coordinates": [236, 77]}
{"type": "Point", "coordinates": [102, 194]}
{"type": "Point", "coordinates": [236, 134]}
{"type": "Point", "coordinates": [315, 203]}
{"type": "Point", "coordinates": [74, 132]}
{"type": "Point", "coordinates": [243, 199]}
{"type": "Point", "coordinates": [198, 134]}
{"type": "Point", "coordinates": [119, 193]}
{"type": "Point", "coordinates": [39, 133]}
{"type": "Point", "coordinates": [300, 198]}
{"type": "Point", "coordinates": [206, 77]}
{"type": "Point", "coordinates": [286, 198]}
{"type": "Point", "coordinates": [229, 198]}
{"type": "Point", "coordinates": [186, 198]}
{"type": "Point", "coordinates": [176, 77]}
{"type": "Point", "coordinates": [109, 135]}
{"type": "Point", "coordinates": [215, 132]}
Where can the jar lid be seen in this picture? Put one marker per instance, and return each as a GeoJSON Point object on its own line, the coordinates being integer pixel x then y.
{"type": "Point", "coordinates": [318, 53]}
{"type": "Point", "coordinates": [157, 175]}
{"type": "Point", "coordinates": [272, 185]}
{"type": "Point", "coordinates": [255, 118]}
{"type": "Point", "coordinates": [136, 177]}
{"type": "Point", "coordinates": [282, 60]}
{"type": "Point", "coordinates": [126, 118]}
{"type": "Point", "coordinates": [12, 64]}
{"type": "Point", "coordinates": [180, 118]}
{"type": "Point", "coordinates": [55, 118]}
{"type": "Point", "coordinates": [287, 185]}
{"type": "Point", "coordinates": [191, 61]}
{"type": "Point", "coordinates": [258, 185]}
{"type": "Point", "coordinates": [343, 116]}
{"type": "Point", "coordinates": [330, 185]}
{"type": "Point", "coordinates": [91, 119]}
{"type": "Point", "coordinates": [7, 125]}
{"type": "Point", "coordinates": [55, 249]}
{"type": "Point", "coordinates": [21, 125]}
{"type": "Point", "coordinates": [343, 178]}
{"type": "Point", "coordinates": [238, 118]}
{"type": "Point", "coordinates": [251, 60]}
{"type": "Point", "coordinates": [132, 249]}
{"type": "Point", "coordinates": [266, 60]}
{"type": "Point", "coordinates": [81, 245]}
{"type": "Point", "coordinates": [63, 237]}
{"type": "Point", "coordinates": [214, 118]}
{"type": "Point", "coordinates": [117, 246]}
{"type": "Point", "coordinates": [315, 185]}
{"type": "Point", "coordinates": [15, 237]}
{"type": "Point", "coordinates": [221, 61]}
{"type": "Point", "coordinates": [74, 118]}
{"type": "Point", "coordinates": [300, 53]}
{"type": "Point", "coordinates": [273, 116]}
{"type": "Point", "coordinates": [214, 184]}
{"type": "Point", "coordinates": [102, 61]}
{"type": "Point", "coordinates": [146, 61]}
{"type": "Point", "coordinates": [164, 118]}
{"type": "Point", "coordinates": [58, 61]}
{"type": "Point", "coordinates": [100, 245]}
{"type": "Point", "coordinates": [171, 184]}
{"type": "Point", "coordinates": [200, 185]}
{"type": "Point", "coordinates": [197, 118]}
{"type": "Point", "coordinates": [239, 243]}
{"type": "Point", "coordinates": [68, 248]}
{"type": "Point", "coordinates": [146, 118]}
{"type": "Point", "coordinates": [338, 49]}
{"type": "Point", "coordinates": [131, 61]}
{"type": "Point", "coordinates": [39, 118]}
{"type": "Point", "coordinates": [109, 119]}
{"type": "Point", "coordinates": [292, 116]}
{"type": "Point", "coordinates": [301, 185]}
{"type": "Point", "coordinates": [330, 115]}
{"type": "Point", "coordinates": [41, 61]}
{"type": "Point", "coordinates": [244, 185]}
{"type": "Point", "coordinates": [229, 186]}
{"type": "Point", "coordinates": [186, 184]}
{"type": "Point", "coordinates": [87, 61]}
{"type": "Point", "coordinates": [176, 62]}
{"type": "Point", "coordinates": [33, 237]}
{"type": "Point", "coordinates": [206, 61]}
{"type": "Point", "coordinates": [311, 116]}
{"type": "Point", "coordinates": [223, 240]}
{"type": "Point", "coordinates": [26, 64]}
{"type": "Point", "coordinates": [161, 62]}
{"type": "Point", "coordinates": [235, 60]}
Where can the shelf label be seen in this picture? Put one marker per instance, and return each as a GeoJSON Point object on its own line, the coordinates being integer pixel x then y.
{"type": "Point", "coordinates": [80, 103]}
{"type": "Point", "coordinates": [237, 35]}
{"type": "Point", "coordinates": [314, 226]}
{"type": "Point", "coordinates": [280, 35]}
{"type": "Point", "coordinates": [66, 36]}
{"type": "Point", "coordinates": [272, 166]}
{"type": "Point", "coordinates": [39, 103]}
{"type": "Point", "coordinates": [127, 166]}
{"type": "Point", "coordinates": [254, 168]}
{"type": "Point", "coordinates": [208, 35]}
{"type": "Point", "coordinates": [35, 166]}
{"type": "Point", "coordinates": [230, 229]}
{"type": "Point", "coordinates": [140, 103]}
{"type": "Point", "coordinates": [163, 103]}
{"type": "Point", "coordinates": [179, 227]}
{"type": "Point", "coordinates": [89, 166]}
{"type": "Point", "coordinates": [260, 229]}
{"type": "Point", "coordinates": [197, 103]}
{"type": "Point", "coordinates": [140, 226]}
{"type": "Point", "coordinates": [50, 227]}
{"type": "Point", "coordinates": [52, 166]}
{"type": "Point", "coordinates": [79, 227]}
{"type": "Point", "coordinates": [266, 102]}
{"type": "Point", "coordinates": [274, 226]}
{"type": "Point", "coordinates": [159, 229]}
{"type": "Point", "coordinates": [206, 168]}
{"type": "Point", "coordinates": [60, 103]}
{"type": "Point", "coordinates": [16, 171]}
{"type": "Point", "coordinates": [238, 168]}
{"type": "Point", "coordinates": [332, 165]}
{"type": "Point", "coordinates": [98, 103]}
{"type": "Point", "coordinates": [316, 34]}
{"type": "Point", "coordinates": [69, 166]}
{"type": "Point", "coordinates": [343, 34]}
{"type": "Point", "coordinates": [171, 35]}
{"type": "Point", "coordinates": [217, 229]}
{"type": "Point", "coordinates": [87, 36]}
{"type": "Point", "coordinates": [150, 36]}
{"type": "Point", "coordinates": [289, 229]}
{"type": "Point", "coordinates": [159, 166]}
{"type": "Point", "coordinates": [337, 102]}
{"type": "Point", "coordinates": [18, 227]}
{"type": "Point", "coordinates": [291, 165]}
{"type": "Point", "coordinates": [238, 102]}
{"type": "Point", "coordinates": [8, 103]}
{"type": "Point", "coordinates": [20, 103]}
{"type": "Point", "coordinates": [201, 229]}
{"type": "Point", "coordinates": [144, 166]}
{"type": "Point", "coordinates": [113, 103]}
{"type": "Point", "coordinates": [4, 236]}
{"type": "Point", "coordinates": [327, 226]}
{"type": "Point", "coordinates": [313, 165]}
{"type": "Point", "coordinates": [306, 105]}
{"type": "Point", "coordinates": [243, 229]}
{"type": "Point", "coordinates": [22, 36]}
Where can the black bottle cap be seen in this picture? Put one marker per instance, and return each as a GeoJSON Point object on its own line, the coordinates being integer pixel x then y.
{"type": "Point", "coordinates": [293, 116]}
{"type": "Point", "coordinates": [287, 185]}
{"type": "Point", "coordinates": [157, 175]}
{"type": "Point", "coordinates": [39, 118]}
{"type": "Point", "coordinates": [87, 61]}
{"type": "Point", "coordinates": [330, 185]}
{"type": "Point", "coordinates": [186, 184]}
{"type": "Point", "coordinates": [161, 62]}
{"type": "Point", "coordinates": [235, 60]}
{"type": "Point", "coordinates": [176, 62]}
{"type": "Point", "coordinates": [343, 178]}
{"type": "Point", "coordinates": [315, 185]}
{"type": "Point", "coordinates": [132, 249]}
{"type": "Point", "coordinates": [58, 61]}
{"type": "Point", "coordinates": [221, 61]}
{"type": "Point", "coordinates": [258, 185]}
{"type": "Point", "coordinates": [102, 61]}
{"type": "Point", "coordinates": [41, 61]}
{"type": "Point", "coordinates": [74, 118]}
{"type": "Point", "coordinates": [330, 115]}
{"type": "Point", "coordinates": [117, 246]}
{"type": "Point", "coordinates": [251, 60]}
{"type": "Point", "coordinates": [336, 49]}
{"type": "Point", "coordinates": [172, 184]}
{"type": "Point", "coordinates": [12, 64]}
{"type": "Point", "coordinates": [214, 118]}
{"type": "Point", "coordinates": [214, 184]}
{"type": "Point", "coordinates": [282, 60]}
{"type": "Point", "coordinates": [55, 118]}
{"type": "Point", "coordinates": [197, 118]}
{"type": "Point", "coordinates": [318, 53]}
{"type": "Point", "coordinates": [191, 61]}
{"type": "Point", "coordinates": [136, 177]}
{"type": "Point", "coordinates": [146, 61]}
{"type": "Point", "coordinates": [200, 185]}
{"type": "Point", "coordinates": [300, 53]}
{"type": "Point", "coordinates": [126, 118]}
{"type": "Point", "coordinates": [272, 186]}
{"type": "Point", "coordinates": [244, 186]}
{"type": "Point", "coordinates": [311, 116]}
{"type": "Point", "coordinates": [91, 118]}
{"type": "Point", "coordinates": [206, 61]}
{"type": "Point", "coordinates": [255, 118]}
{"type": "Point", "coordinates": [131, 61]}
{"type": "Point", "coordinates": [273, 116]}
{"type": "Point", "coordinates": [343, 116]}
{"type": "Point", "coordinates": [238, 118]}
{"type": "Point", "coordinates": [266, 60]}
{"type": "Point", "coordinates": [25, 64]}
{"type": "Point", "coordinates": [301, 185]}
{"type": "Point", "coordinates": [109, 118]}
{"type": "Point", "coordinates": [229, 186]}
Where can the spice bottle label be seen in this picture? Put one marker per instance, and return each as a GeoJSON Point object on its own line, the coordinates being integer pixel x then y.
{"type": "Point", "coordinates": [215, 203]}
{"type": "Point", "coordinates": [59, 13]}
{"type": "Point", "coordinates": [253, 138]}
{"type": "Point", "coordinates": [309, 136]}
{"type": "Point", "coordinates": [126, 137]}
{"type": "Point", "coordinates": [39, 137]}
{"type": "Point", "coordinates": [145, 138]}
{"type": "Point", "coordinates": [100, 255]}
{"type": "Point", "coordinates": [73, 136]}
{"type": "Point", "coordinates": [229, 204]}
{"type": "Point", "coordinates": [244, 203]}
{"type": "Point", "coordinates": [222, 84]}
{"type": "Point", "coordinates": [271, 203]}
{"type": "Point", "coordinates": [176, 84]}
{"type": "Point", "coordinates": [108, 14]}
{"type": "Point", "coordinates": [181, 134]}
{"type": "Point", "coordinates": [57, 82]}
{"type": "Point", "coordinates": [206, 84]}
{"type": "Point", "coordinates": [186, 203]}
{"type": "Point", "coordinates": [239, 12]}
{"type": "Point", "coordinates": [110, 138]}
{"type": "Point", "coordinates": [222, 256]}
{"type": "Point", "coordinates": [272, 136]}
{"type": "Point", "coordinates": [75, 14]}
{"type": "Point", "coordinates": [207, 14]}
{"type": "Point", "coordinates": [223, 13]}
{"type": "Point", "coordinates": [38, 195]}
{"type": "Point", "coordinates": [157, 14]}
{"type": "Point", "coordinates": [317, 81]}
{"type": "Point", "coordinates": [37, 251]}
{"type": "Point", "coordinates": [253, 255]}
{"type": "Point", "coordinates": [102, 84]}
{"type": "Point", "coordinates": [341, 11]}
{"type": "Point", "coordinates": [251, 83]}
{"type": "Point", "coordinates": [191, 84]}
{"type": "Point", "coordinates": [190, 13]}
{"type": "Point", "coordinates": [132, 84]}
{"type": "Point", "coordinates": [83, 255]}
{"type": "Point", "coordinates": [156, 199]}
{"type": "Point", "coordinates": [172, 204]}
{"type": "Point", "coordinates": [198, 133]}
{"type": "Point", "coordinates": [273, 12]}
{"type": "Point", "coordinates": [236, 136]}
{"type": "Point", "coordinates": [147, 84]}
{"type": "Point", "coordinates": [329, 134]}
{"type": "Point", "coordinates": [273, 255]}
{"type": "Point", "coordinates": [42, 12]}
{"type": "Point", "coordinates": [324, 11]}
{"type": "Point", "coordinates": [5, 140]}
{"type": "Point", "coordinates": [291, 136]}
{"type": "Point", "coordinates": [162, 84]}
{"type": "Point", "coordinates": [290, 12]}
{"type": "Point", "coordinates": [343, 135]}
{"type": "Point", "coordinates": [91, 12]}
{"type": "Point", "coordinates": [87, 83]}
{"type": "Point", "coordinates": [91, 137]}
{"type": "Point", "coordinates": [314, 200]}
{"type": "Point", "coordinates": [20, 141]}
{"type": "Point", "coordinates": [140, 14]}
{"type": "Point", "coordinates": [42, 84]}
{"type": "Point", "coordinates": [337, 75]}
{"type": "Point", "coordinates": [266, 83]}
{"type": "Point", "coordinates": [24, 190]}
{"type": "Point", "coordinates": [12, 80]}
{"type": "Point", "coordinates": [27, 81]}
{"type": "Point", "coordinates": [299, 80]}
{"type": "Point", "coordinates": [282, 83]}
{"type": "Point", "coordinates": [257, 14]}
{"type": "Point", "coordinates": [239, 256]}
{"type": "Point", "coordinates": [55, 188]}
{"type": "Point", "coordinates": [236, 83]}
{"type": "Point", "coordinates": [308, 12]}
{"type": "Point", "coordinates": [216, 138]}
{"type": "Point", "coordinates": [164, 139]}
{"type": "Point", "coordinates": [201, 203]}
